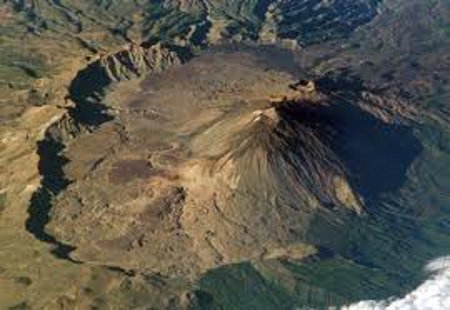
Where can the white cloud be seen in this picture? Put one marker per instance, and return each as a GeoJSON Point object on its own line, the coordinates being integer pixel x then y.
{"type": "Point", "coordinates": [433, 294]}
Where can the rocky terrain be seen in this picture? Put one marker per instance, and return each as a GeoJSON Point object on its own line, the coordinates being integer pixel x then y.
{"type": "Point", "coordinates": [147, 144]}
{"type": "Point", "coordinates": [186, 156]}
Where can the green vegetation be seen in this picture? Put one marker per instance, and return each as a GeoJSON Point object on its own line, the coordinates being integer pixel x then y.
{"type": "Point", "coordinates": [242, 287]}
{"type": "Point", "coordinates": [2, 202]}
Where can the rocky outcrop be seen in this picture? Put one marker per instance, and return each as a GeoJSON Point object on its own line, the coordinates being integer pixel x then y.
{"type": "Point", "coordinates": [133, 62]}
{"type": "Point", "coordinates": [85, 114]}
{"type": "Point", "coordinates": [136, 61]}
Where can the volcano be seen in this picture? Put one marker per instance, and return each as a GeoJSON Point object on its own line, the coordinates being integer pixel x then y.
{"type": "Point", "coordinates": [229, 157]}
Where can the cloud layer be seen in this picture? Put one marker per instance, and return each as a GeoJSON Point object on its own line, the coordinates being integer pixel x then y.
{"type": "Point", "coordinates": [433, 294]}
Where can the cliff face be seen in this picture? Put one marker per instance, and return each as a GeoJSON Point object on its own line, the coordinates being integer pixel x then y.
{"type": "Point", "coordinates": [134, 62]}
{"type": "Point", "coordinates": [85, 114]}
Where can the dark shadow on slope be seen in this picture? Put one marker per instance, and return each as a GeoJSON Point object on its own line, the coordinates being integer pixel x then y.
{"type": "Point", "coordinates": [53, 182]}
{"type": "Point", "coordinates": [376, 155]}
{"type": "Point", "coordinates": [353, 252]}
{"type": "Point", "coordinates": [86, 90]}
